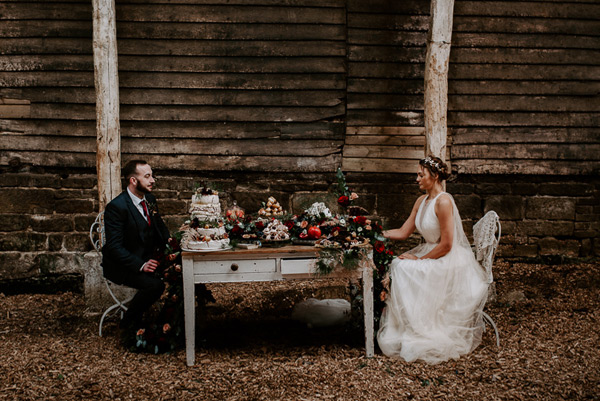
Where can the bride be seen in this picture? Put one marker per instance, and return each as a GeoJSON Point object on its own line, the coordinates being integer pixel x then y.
{"type": "Point", "coordinates": [437, 290]}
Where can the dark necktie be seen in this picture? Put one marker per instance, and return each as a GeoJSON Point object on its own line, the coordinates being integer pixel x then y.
{"type": "Point", "coordinates": [145, 211]}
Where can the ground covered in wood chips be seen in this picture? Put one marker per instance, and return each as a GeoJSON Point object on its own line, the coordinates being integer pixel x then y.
{"type": "Point", "coordinates": [548, 317]}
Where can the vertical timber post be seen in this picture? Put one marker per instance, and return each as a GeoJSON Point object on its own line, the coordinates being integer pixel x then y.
{"type": "Point", "coordinates": [436, 77]}
{"type": "Point", "coordinates": [106, 79]}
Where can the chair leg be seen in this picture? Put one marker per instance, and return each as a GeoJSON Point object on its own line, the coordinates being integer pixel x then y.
{"type": "Point", "coordinates": [118, 304]}
{"type": "Point", "coordinates": [487, 318]}
{"type": "Point", "coordinates": [106, 312]}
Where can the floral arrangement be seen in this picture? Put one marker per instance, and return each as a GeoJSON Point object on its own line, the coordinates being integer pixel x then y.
{"type": "Point", "coordinates": [382, 258]}
{"type": "Point", "coordinates": [244, 228]}
{"type": "Point", "coordinates": [318, 210]}
{"type": "Point", "coordinates": [361, 226]}
{"type": "Point", "coordinates": [346, 197]}
{"type": "Point", "coordinates": [206, 188]}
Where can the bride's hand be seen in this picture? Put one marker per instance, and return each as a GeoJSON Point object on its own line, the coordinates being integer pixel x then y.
{"type": "Point", "coordinates": [408, 256]}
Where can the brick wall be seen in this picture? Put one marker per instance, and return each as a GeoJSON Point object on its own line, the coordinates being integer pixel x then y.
{"type": "Point", "coordinates": [45, 215]}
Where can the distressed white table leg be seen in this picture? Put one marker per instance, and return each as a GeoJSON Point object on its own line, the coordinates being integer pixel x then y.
{"type": "Point", "coordinates": [189, 297]}
{"type": "Point", "coordinates": [367, 278]}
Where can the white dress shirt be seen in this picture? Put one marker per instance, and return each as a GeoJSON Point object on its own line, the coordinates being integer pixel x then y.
{"type": "Point", "coordinates": [137, 202]}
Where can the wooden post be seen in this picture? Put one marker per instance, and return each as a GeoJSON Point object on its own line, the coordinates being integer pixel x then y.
{"type": "Point", "coordinates": [436, 77]}
{"type": "Point", "coordinates": [106, 79]}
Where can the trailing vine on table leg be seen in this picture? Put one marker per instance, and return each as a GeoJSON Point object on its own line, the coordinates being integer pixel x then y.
{"type": "Point", "coordinates": [166, 332]}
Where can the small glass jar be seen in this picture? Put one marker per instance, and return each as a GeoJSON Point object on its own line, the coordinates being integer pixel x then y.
{"type": "Point", "coordinates": [235, 212]}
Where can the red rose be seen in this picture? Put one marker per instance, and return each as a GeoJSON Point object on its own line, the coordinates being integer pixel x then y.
{"type": "Point", "coordinates": [379, 246]}
{"type": "Point", "coordinates": [174, 244]}
{"type": "Point", "coordinates": [260, 225]}
{"type": "Point", "coordinates": [236, 230]}
{"type": "Point", "coordinates": [360, 219]}
{"type": "Point", "coordinates": [344, 201]}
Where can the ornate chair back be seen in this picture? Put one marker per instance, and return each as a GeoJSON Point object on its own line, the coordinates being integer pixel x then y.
{"type": "Point", "coordinates": [98, 239]}
{"type": "Point", "coordinates": [97, 233]}
{"type": "Point", "coordinates": [486, 236]}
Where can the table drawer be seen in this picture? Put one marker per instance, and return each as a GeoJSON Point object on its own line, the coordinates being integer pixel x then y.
{"type": "Point", "coordinates": [298, 266]}
{"type": "Point", "coordinates": [235, 266]}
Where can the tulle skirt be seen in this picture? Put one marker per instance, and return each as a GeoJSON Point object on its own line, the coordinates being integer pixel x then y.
{"type": "Point", "coordinates": [433, 311]}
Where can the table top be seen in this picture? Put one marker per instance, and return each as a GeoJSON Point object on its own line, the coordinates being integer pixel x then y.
{"type": "Point", "coordinates": [258, 252]}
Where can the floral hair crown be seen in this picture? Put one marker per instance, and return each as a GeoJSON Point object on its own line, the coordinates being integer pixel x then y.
{"type": "Point", "coordinates": [431, 163]}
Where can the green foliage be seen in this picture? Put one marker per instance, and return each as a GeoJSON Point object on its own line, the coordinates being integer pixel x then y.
{"type": "Point", "coordinates": [342, 187]}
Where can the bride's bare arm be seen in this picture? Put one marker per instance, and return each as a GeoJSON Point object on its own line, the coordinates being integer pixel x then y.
{"type": "Point", "coordinates": [408, 227]}
{"type": "Point", "coordinates": [444, 213]}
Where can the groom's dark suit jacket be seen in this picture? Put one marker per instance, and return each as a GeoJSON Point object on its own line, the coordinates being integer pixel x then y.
{"type": "Point", "coordinates": [130, 242]}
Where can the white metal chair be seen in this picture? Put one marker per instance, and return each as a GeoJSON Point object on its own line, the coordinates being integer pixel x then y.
{"type": "Point", "coordinates": [98, 240]}
{"type": "Point", "coordinates": [486, 236]}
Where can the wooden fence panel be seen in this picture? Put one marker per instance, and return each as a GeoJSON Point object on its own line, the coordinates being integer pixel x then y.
{"type": "Point", "coordinates": [386, 55]}
{"type": "Point", "coordinates": [305, 73]}
{"type": "Point", "coordinates": [246, 84]}
{"type": "Point", "coordinates": [524, 87]}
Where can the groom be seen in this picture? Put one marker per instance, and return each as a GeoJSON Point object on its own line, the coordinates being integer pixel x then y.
{"type": "Point", "coordinates": [135, 237]}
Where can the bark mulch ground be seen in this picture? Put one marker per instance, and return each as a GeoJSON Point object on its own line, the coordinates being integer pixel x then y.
{"type": "Point", "coordinates": [548, 317]}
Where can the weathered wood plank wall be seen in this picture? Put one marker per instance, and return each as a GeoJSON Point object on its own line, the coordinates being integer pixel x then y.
{"type": "Point", "coordinates": [524, 87]}
{"type": "Point", "coordinates": [269, 97]}
{"type": "Point", "coordinates": [386, 61]}
{"type": "Point", "coordinates": [256, 85]}
{"type": "Point", "coordinates": [267, 85]}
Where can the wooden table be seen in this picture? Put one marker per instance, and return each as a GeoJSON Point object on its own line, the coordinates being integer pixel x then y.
{"type": "Point", "coordinates": [290, 262]}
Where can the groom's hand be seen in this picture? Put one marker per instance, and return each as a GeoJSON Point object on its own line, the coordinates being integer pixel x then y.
{"type": "Point", "coordinates": [150, 266]}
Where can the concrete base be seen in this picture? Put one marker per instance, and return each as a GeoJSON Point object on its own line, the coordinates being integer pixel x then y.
{"type": "Point", "coordinates": [97, 297]}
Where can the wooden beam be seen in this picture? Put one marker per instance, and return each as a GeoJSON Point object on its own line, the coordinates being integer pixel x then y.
{"type": "Point", "coordinates": [106, 79]}
{"type": "Point", "coordinates": [436, 77]}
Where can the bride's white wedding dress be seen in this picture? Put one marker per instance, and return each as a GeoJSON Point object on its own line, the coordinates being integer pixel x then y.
{"type": "Point", "coordinates": [433, 311]}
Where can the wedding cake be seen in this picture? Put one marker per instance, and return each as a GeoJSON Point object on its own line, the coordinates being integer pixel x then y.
{"type": "Point", "coordinates": [205, 231]}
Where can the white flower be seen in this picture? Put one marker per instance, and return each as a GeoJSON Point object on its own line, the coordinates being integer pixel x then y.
{"type": "Point", "coordinates": [317, 209]}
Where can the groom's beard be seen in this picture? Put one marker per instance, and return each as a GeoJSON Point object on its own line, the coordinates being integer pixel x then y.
{"type": "Point", "coordinates": [143, 189]}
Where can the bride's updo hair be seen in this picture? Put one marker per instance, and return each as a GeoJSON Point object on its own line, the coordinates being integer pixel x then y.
{"type": "Point", "coordinates": [436, 166]}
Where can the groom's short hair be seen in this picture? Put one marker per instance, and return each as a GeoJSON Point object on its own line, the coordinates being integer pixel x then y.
{"type": "Point", "coordinates": [130, 168]}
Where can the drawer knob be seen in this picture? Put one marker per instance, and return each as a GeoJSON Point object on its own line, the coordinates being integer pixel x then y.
{"type": "Point", "coordinates": [234, 267]}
